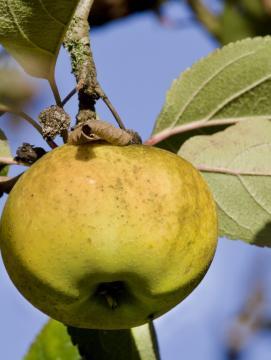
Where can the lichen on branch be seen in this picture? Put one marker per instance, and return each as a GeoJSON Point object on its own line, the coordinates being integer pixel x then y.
{"type": "Point", "coordinates": [77, 43]}
{"type": "Point", "coordinates": [206, 17]}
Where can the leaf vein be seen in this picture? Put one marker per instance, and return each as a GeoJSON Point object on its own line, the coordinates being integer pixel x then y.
{"type": "Point", "coordinates": [232, 218]}
{"type": "Point", "coordinates": [206, 82]}
{"type": "Point", "coordinates": [236, 96]}
{"type": "Point", "coordinates": [253, 196]}
{"type": "Point", "coordinates": [50, 14]}
{"type": "Point", "coordinates": [24, 36]}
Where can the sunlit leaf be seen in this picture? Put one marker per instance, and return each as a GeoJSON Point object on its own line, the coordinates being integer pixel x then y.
{"type": "Point", "coordinates": [4, 152]}
{"type": "Point", "coordinates": [32, 32]}
{"type": "Point", "coordinates": [53, 343]}
{"type": "Point", "coordinates": [229, 85]}
{"type": "Point", "coordinates": [237, 165]}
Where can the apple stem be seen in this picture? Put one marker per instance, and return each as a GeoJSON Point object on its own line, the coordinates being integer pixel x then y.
{"type": "Point", "coordinates": [154, 338]}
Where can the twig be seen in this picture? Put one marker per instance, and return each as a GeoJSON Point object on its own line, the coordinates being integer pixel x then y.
{"type": "Point", "coordinates": [55, 91]}
{"type": "Point", "coordinates": [32, 122]}
{"type": "Point", "coordinates": [9, 161]}
{"type": "Point", "coordinates": [68, 97]}
{"type": "Point", "coordinates": [267, 6]}
{"type": "Point", "coordinates": [29, 119]}
{"type": "Point", "coordinates": [77, 43]}
{"type": "Point", "coordinates": [105, 11]}
{"type": "Point", "coordinates": [207, 18]}
{"type": "Point", "coordinates": [7, 183]}
{"type": "Point", "coordinates": [6, 109]}
{"type": "Point", "coordinates": [248, 322]}
{"type": "Point", "coordinates": [108, 103]}
{"type": "Point", "coordinates": [57, 97]}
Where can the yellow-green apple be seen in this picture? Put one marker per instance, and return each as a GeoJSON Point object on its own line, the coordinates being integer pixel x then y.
{"type": "Point", "coordinates": [107, 237]}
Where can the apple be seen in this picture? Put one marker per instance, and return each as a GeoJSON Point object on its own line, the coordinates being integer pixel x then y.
{"type": "Point", "coordinates": [107, 237]}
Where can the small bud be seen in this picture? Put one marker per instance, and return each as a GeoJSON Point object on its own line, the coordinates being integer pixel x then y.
{"type": "Point", "coordinates": [28, 153]}
{"type": "Point", "coordinates": [54, 121]}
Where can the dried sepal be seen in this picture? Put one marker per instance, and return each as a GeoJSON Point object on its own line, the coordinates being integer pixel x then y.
{"type": "Point", "coordinates": [94, 130]}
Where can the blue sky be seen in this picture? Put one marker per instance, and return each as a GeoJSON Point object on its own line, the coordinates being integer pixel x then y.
{"type": "Point", "coordinates": [137, 60]}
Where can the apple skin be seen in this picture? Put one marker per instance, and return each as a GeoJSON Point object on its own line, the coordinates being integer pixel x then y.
{"type": "Point", "coordinates": [83, 217]}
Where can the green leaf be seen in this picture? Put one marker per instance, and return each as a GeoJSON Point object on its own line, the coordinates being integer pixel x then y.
{"type": "Point", "coordinates": [231, 84]}
{"type": "Point", "coordinates": [133, 344]}
{"type": "Point", "coordinates": [53, 343]}
{"type": "Point", "coordinates": [4, 152]}
{"type": "Point", "coordinates": [237, 166]}
{"type": "Point", "coordinates": [32, 31]}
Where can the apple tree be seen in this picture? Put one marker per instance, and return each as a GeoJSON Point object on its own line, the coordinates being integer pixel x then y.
{"type": "Point", "coordinates": [216, 116]}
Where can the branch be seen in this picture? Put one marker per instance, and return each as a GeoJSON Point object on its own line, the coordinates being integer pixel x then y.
{"type": "Point", "coordinates": [26, 155]}
{"type": "Point", "coordinates": [105, 11]}
{"type": "Point", "coordinates": [7, 183]}
{"type": "Point", "coordinates": [23, 116]}
{"type": "Point", "coordinates": [108, 103]}
{"type": "Point", "coordinates": [8, 161]}
{"type": "Point", "coordinates": [55, 91]}
{"type": "Point", "coordinates": [207, 18]}
{"type": "Point", "coordinates": [267, 6]}
{"type": "Point", "coordinates": [77, 43]}
{"type": "Point", "coordinates": [248, 322]}
{"type": "Point", "coordinates": [31, 121]}
{"type": "Point", "coordinates": [68, 97]}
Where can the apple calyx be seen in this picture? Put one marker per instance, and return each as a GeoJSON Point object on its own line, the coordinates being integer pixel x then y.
{"type": "Point", "coordinates": [112, 292]}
